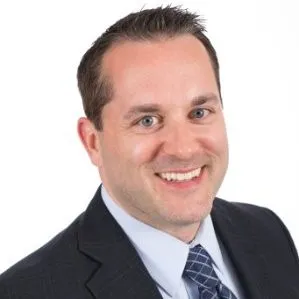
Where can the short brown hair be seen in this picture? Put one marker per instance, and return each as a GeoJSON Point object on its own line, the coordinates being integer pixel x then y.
{"type": "Point", "coordinates": [95, 87]}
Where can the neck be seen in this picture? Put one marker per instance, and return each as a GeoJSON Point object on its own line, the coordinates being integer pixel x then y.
{"type": "Point", "coordinates": [185, 233]}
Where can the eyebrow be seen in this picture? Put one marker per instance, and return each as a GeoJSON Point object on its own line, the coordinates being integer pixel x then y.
{"type": "Point", "coordinates": [200, 100]}
{"type": "Point", "coordinates": [154, 108]}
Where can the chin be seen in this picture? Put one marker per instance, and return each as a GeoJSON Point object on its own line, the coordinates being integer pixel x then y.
{"type": "Point", "coordinates": [188, 216]}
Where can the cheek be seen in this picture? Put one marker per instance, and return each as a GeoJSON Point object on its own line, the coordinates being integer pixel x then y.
{"type": "Point", "coordinates": [141, 150]}
{"type": "Point", "coordinates": [215, 140]}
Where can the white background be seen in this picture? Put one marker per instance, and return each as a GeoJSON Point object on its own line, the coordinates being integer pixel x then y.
{"type": "Point", "coordinates": [46, 177]}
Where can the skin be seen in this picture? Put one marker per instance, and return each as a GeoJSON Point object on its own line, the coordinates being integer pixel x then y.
{"type": "Point", "coordinates": [179, 127]}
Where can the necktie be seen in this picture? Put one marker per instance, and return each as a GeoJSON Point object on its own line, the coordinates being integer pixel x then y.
{"type": "Point", "coordinates": [200, 270]}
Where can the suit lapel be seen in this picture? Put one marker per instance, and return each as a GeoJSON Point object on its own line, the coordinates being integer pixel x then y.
{"type": "Point", "coordinates": [121, 273]}
{"type": "Point", "coordinates": [242, 246]}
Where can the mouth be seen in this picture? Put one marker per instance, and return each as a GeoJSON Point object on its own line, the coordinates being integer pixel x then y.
{"type": "Point", "coordinates": [182, 178]}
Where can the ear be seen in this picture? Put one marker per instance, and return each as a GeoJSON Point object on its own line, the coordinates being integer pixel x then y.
{"type": "Point", "coordinates": [89, 137]}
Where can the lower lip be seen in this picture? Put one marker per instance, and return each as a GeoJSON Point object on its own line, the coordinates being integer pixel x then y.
{"type": "Point", "coordinates": [184, 184]}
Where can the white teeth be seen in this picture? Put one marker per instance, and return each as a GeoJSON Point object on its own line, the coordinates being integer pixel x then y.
{"type": "Point", "coordinates": [173, 176]}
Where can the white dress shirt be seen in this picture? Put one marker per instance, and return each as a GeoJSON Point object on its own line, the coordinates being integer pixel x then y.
{"type": "Point", "coordinates": [165, 256]}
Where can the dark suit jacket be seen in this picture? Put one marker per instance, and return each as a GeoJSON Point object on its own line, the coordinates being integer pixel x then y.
{"type": "Point", "coordinates": [93, 258]}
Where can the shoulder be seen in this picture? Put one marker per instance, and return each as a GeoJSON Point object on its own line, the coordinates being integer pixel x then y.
{"type": "Point", "coordinates": [249, 211]}
{"type": "Point", "coordinates": [256, 221]}
{"type": "Point", "coordinates": [45, 270]}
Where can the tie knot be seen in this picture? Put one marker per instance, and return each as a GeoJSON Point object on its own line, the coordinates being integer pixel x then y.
{"type": "Point", "coordinates": [199, 268]}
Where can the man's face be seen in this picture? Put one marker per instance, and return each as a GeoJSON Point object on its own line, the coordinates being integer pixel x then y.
{"type": "Point", "coordinates": [163, 149]}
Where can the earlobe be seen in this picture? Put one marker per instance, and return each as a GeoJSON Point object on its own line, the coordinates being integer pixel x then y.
{"type": "Point", "coordinates": [89, 137]}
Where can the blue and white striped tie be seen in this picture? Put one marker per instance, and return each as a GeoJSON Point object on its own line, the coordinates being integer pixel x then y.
{"type": "Point", "coordinates": [200, 270]}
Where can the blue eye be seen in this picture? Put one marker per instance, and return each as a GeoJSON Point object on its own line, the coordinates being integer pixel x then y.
{"type": "Point", "coordinates": [199, 113]}
{"type": "Point", "coordinates": [148, 121]}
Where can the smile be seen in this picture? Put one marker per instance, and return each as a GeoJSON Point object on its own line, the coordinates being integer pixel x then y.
{"type": "Point", "coordinates": [180, 176]}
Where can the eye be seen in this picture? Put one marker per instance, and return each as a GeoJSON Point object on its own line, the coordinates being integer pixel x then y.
{"type": "Point", "coordinates": [199, 113]}
{"type": "Point", "coordinates": [148, 121]}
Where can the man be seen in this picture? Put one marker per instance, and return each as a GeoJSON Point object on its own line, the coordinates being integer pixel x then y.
{"type": "Point", "coordinates": [155, 229]}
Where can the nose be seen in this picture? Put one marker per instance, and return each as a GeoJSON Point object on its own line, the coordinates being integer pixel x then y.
{"type": "Point", "coordinates": [181, 141]}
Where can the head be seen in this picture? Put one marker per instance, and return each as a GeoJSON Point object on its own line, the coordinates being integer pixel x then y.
{"type": "Point", "coordinates": [154, 125]}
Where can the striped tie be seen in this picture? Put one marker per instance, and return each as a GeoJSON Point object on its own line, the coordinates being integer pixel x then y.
{"type": "Point", "coordinates": [200, 270]}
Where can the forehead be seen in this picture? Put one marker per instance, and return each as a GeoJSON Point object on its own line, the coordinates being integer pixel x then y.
{"type": "Point", "coordinates": [160, 68]}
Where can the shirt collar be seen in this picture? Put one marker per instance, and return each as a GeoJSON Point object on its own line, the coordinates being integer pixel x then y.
{"type": "Point", "coordinates": [163, 255]}
{"type": "Point", "coordinates": [207, 238]}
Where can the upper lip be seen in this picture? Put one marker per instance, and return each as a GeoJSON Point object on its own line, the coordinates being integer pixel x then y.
{"type": "Point", "coordinates": [179, 170]}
